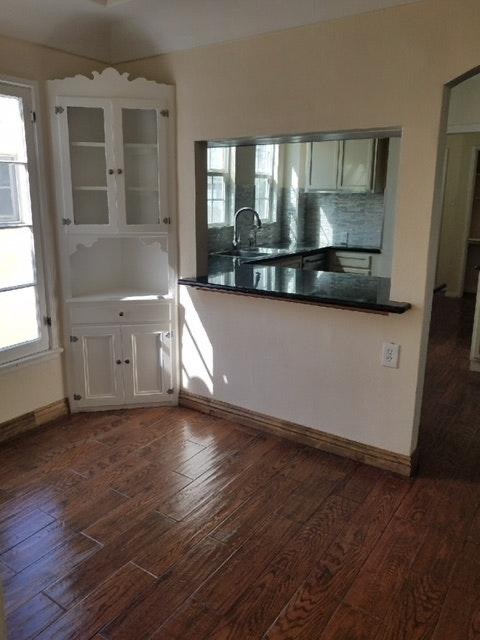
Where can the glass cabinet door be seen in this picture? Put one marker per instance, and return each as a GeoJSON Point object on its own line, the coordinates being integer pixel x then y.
{"type": "Point", "coordinates": [143, 150]}
{"type": "Point", "coordinates": [90, 163]}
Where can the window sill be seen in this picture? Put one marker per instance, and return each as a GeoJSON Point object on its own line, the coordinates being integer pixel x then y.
{"type": "Point", "coordinates": [37, 358]}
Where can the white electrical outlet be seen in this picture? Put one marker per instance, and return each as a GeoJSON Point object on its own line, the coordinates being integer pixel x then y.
{"type": "Point", "coordinates": [390, 355]}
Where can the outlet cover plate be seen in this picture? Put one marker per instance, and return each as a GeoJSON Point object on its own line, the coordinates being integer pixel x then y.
{"type": "Point", "coordinates": [391, 355]}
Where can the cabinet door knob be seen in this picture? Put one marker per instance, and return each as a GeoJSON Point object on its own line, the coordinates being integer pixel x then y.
{"type": "Point", "coordinates": [119, 362]}
{"type": "Point", "coordinates": [127, 361]}
{"type": "Point", "coordinates": [119, 171]}
{"type": "Point", "coordinates": [111, 172]}
{"type": "Point", "coordinates": [121, 314]}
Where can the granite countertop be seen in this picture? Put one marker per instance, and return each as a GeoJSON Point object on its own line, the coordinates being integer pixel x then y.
{"type": "Point", "coordinates": [346, 290]}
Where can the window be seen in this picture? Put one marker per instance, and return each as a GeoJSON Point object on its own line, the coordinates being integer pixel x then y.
{"type": "Point", "coordinates": [23, 331]}
{"type": "Point", "coordinates": [221, 185]}
{"type": "Point", "coordinates": [266, 175]}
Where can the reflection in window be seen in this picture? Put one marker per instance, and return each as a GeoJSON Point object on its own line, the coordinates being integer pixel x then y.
{"type": "Point", "coordinates": [220, 184]}
{"type": "Point", "coordinates": [266, 178]}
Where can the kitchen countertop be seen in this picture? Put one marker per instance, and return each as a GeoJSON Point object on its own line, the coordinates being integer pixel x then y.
{"type": "Point", "coordinates": [347, 290]}
{"type": "Point", "coordinates": [302, 249]}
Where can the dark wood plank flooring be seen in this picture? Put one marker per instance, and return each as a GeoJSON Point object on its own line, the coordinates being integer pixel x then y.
{"type": "Point", "coordinates": [171, 525]}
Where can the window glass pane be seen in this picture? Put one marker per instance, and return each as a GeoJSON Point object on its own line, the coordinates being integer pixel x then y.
{"type": "Point", "coordinates": [12, 130]}
{"type": "Point", "coordinates": [264, 154]}
{"type": "Point", "coordinates": [8, 213]}
{"type": "Point", "coordinates": [15, 204]}
{"type": "Point", "coordinates": [216, 188]}
{"type": "Point", "coordinates": [14, 184]}
{"type": "Point", "coordinates": [21, 323]}
{"type": "Point", "coordinates": [16, 257]}
{"type": "Point", "coordinates": [217, 160]}
{"type": "Point", "coordinates": [262, 188]}
{"type": "Point", "coordinates": [216, 211]}
{"type": "Point", "coordinates": [5, 178]}
{"type": "Point", "coordinates": [263, 208]}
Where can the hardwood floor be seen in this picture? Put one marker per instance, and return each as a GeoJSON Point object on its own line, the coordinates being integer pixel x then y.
{"type": "Point", "coordinates": [171, 525]}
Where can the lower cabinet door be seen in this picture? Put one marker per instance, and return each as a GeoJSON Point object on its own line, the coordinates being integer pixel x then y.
{"type": "Point", "coordinates": [97, 366]}
{"type": "Point", "coordinates": [148, 363]}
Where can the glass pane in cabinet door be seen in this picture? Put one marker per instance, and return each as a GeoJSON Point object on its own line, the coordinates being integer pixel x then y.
{"type": "Point", "coordinates": [86, 129]}
{"type": "Point", "coordinates": [141, 166]}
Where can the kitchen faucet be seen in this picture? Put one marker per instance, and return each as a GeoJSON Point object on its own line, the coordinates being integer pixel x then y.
{"type": "Point", "coordinates": [252, 237]}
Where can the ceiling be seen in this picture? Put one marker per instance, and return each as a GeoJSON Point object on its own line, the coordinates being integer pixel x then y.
{"type": "Point", "coordinates": [118, 30]}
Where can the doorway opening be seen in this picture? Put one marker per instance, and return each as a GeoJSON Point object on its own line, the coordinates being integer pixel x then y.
{"type": "Point", "coordinates": [449, 439]}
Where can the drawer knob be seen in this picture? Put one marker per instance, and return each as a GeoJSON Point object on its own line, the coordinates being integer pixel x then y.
{"type": "Point", "coordinates": [119, 362]}
{"type": "Point", "coordinates": [121, 314]}
{"type": "Point", "coordinates": [127, 361]}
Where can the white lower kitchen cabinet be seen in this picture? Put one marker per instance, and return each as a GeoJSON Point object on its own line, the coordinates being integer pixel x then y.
{"type": "Point", "coordinates": [120, 365]}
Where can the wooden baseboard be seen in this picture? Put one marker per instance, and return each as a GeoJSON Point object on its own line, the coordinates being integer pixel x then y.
{"type": "Point", "coordinates": [398, 463]}
{"type": "Point", "coordinates": [33, 419]}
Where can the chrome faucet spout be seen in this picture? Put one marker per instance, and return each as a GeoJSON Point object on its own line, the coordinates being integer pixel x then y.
{"type": "Point", "coordinates": [258, 225]}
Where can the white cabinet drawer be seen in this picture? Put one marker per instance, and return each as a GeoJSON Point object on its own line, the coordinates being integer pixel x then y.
{"type": "Point", "coordinates": [315, 262]}
{"type": "Point", "coordinates": [119, 313]}
{"type": "Point", "coordinates": [357, 260]}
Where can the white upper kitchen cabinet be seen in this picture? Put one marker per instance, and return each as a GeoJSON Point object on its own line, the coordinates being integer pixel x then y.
{"type": "Point", "coordinates": [356, 165]}
{"type": "Point", "coordinates": [345, 165]}
{"type": "Point", "coordinates": [323, 170]}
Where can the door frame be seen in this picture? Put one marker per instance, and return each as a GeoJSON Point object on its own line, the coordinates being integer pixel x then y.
{"type": "Point", "coordinates": [474, 160]}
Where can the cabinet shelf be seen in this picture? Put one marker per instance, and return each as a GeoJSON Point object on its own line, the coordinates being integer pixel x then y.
{"type": "Point", "coordinates": [140, 145]}
{"type": "Point", "coordinates": [144, 189]}
{"type": "Point", "coordinates": [474, 241]}
{"type": "Point", "coordinates": [89, 188]}
{"type": "Point", "coordinates": [88, 144]}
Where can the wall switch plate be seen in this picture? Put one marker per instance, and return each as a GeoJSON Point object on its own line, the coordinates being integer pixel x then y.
{"type": "Point", "coordinates": [390, 355]}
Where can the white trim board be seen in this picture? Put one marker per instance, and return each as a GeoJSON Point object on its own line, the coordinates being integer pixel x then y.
{"type": "Point", "coordinates": [463, 128]}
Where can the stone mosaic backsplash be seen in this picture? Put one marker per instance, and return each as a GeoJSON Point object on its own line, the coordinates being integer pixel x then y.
{"type": "Point", "coordinates": [329, 217]}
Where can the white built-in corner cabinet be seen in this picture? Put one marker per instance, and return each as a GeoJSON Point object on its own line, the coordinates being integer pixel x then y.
{"type": "Point", "coordinates": [114, 162]}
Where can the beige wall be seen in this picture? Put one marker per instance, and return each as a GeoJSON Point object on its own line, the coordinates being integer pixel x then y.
{"type": "Point", "coordinates": [37, 385]}
{"type": "Point", "coordinates": [320, 367]}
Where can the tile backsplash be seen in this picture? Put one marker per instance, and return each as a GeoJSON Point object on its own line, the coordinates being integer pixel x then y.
{"type": "Point", "coordinates": [328, 217]}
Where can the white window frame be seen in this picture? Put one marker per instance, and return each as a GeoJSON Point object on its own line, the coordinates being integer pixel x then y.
{"type": "Point", "coordinates": [229, 178]}
{"type": "Point", "coordinates": [272, 177]}
{"type": "Point", "coordinates": [47, 346]}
